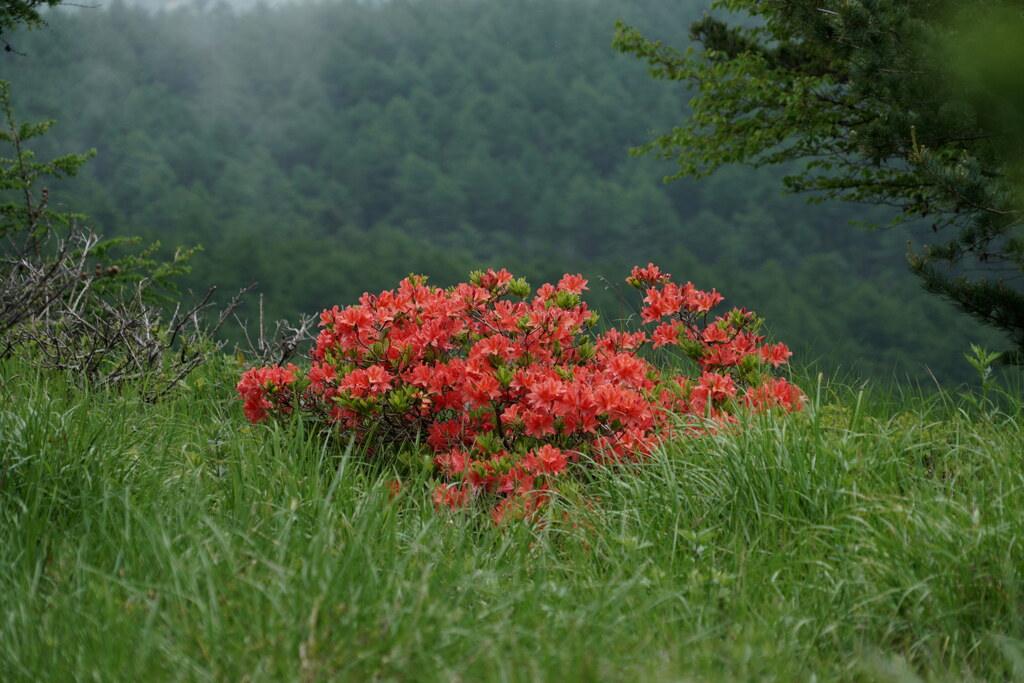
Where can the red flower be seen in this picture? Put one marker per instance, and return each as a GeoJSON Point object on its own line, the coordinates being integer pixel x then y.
{"type": "Point", "coordinates": [545, 394]}
{"type": "Point", "coordinates": [490, 279]}
{"type": "Point", "coordinates": [647, 276]}
{"type": "Point", "coordinates": [704, 301]}
{"type": "Point", "coordinates": [776, 355]}
{"type": "Point", "coordinates": [539, 423]}
{"type": "Point", "coordinates": [546, 460]}
{"type": "Point", "coordinates": [717, 386]}
{"type": "Point", "coordinates": [492, 385]}
{"type": "Point", "coordinates": [482, 391]}
{"type": "Point", "coordinates": [451, 496]}
{"type": "Point", "coordinates": [264, 390]}
{"type": "Point", "coordinates": [714, 334]}
{"type": "Point", "coordinates": [668, 333]}
{"type": "Point", "coordinates": [573, 283]}
{"type": "Point", "coordinates": [627, 369]}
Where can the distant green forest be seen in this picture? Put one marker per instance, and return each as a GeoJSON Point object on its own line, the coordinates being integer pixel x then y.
{"type": "Point", "coordinates": [329, 149]}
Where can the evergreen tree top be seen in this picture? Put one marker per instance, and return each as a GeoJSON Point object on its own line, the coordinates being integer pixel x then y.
{"type": "Point", "coordinates": [884, 103]}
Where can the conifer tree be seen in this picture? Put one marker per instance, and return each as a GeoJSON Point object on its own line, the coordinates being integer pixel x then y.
{"type": "Point", "coordinates": [14, 12]}
{"type": "Point", "coordinates": [914, 104]}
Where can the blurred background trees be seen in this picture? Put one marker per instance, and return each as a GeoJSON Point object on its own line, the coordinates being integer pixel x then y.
{"type": "Point", "coordinates": [329, 149]}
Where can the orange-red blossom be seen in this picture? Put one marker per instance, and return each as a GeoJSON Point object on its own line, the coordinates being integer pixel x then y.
{"type": "Point", "coordinates": [512, 392]}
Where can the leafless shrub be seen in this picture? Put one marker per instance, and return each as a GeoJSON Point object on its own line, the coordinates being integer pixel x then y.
{"type": "Point", "coordinates": [30, 285]}
{"type": "Point", "coordinates": [275, 347]}
{"type": "Point", "coordinates": [65, 316]}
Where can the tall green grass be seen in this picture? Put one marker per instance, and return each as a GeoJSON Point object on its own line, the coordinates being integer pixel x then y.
{"type": "Point", "coordinates": [876, 535]}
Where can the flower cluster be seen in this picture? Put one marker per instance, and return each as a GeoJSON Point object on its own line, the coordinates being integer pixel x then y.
{"type": "Point", "coordinates": [510, 391]}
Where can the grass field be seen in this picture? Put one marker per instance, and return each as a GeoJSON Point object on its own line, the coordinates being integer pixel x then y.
{"type": "Point", "coordinates": [876, 535]}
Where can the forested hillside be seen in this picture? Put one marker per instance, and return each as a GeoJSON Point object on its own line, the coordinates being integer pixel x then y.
{"type": "Point", "coordinates": [329, 149]}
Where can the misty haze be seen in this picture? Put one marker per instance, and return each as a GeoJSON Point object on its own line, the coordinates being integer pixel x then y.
{"type": "Point", "coordinates": [329, 149]}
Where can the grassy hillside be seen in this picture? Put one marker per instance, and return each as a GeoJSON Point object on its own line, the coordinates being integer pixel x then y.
{"type": "Point", "coordinates": [875, 535]}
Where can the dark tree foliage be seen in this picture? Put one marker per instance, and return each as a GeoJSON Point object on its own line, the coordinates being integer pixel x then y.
{"type": "Point", "coordinates": [15, 12]}
{"type": "Point", "coordinates": [914, 104]}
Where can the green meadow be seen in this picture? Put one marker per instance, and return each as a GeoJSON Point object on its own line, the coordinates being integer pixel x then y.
{"type": "Point", "coordinates": [875, 535]}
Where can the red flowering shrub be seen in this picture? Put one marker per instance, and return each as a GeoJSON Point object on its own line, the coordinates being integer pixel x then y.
{"type": "Point", "coordinates": [511, 392]}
